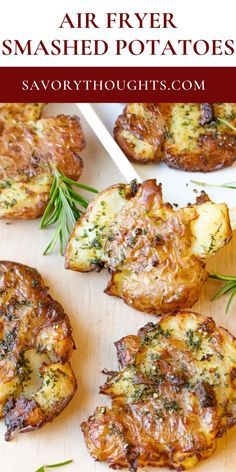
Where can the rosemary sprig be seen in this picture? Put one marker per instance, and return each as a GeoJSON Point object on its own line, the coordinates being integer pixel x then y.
{"type": "Point", "coordinates": [229, 287]}
{"type": "Point", "coordinates": [44, 467]}
{"type": "Point", "coordinates": [64, 208]}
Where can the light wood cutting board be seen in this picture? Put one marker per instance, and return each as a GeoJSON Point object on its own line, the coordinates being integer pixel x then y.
{"type": "Point", "coordinates": [98, 321]}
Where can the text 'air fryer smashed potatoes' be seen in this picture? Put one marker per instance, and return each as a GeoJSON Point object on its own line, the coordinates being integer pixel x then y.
{"type": "Point", "coordinates": [155, 253]}
{"type": "Point", "coordinates": [36, 379]}
{"type": "Point", "coordinates": [188, 136]}
{"type": "Point", "coordinates": [173, 397]}
{"type": "Point", "coordinates": [30, 147]}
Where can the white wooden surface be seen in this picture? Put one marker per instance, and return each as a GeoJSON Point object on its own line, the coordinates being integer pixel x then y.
{"type": "Point", "coordinates": [98, 321]}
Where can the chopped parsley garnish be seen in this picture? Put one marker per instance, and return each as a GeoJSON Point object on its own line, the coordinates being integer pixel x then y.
{"type": "Point", "coordinates": [194, 340]}
{"type": "Point", "coordinates": [171, 405]}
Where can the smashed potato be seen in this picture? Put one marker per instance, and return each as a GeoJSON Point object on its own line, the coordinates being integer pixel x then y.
{"type": "Point", "coordinates": [139, 131]}
{"type": "Point", "coordinates": [188, 136]}
{"type": "Point", "coordinates": [174, 395]}
{"type": "Point", "coordinates": [155, 254]}
{"type": "Point", "coordinates": [29, 149]}
{"type": "Point", "coordinates": [36, 379]}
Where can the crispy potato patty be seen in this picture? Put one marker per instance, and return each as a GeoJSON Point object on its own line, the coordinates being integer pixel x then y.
{"type": "Point", "coordinates": [174, 395]}
{"type": "Point", "coordinates": [30, 147]}
{"type": "Point", "coordinates": [36, 379]}
{"type": "Point", "coordinates": [187, 136]}
{"type": "Point", "coordinates": [155, 253]}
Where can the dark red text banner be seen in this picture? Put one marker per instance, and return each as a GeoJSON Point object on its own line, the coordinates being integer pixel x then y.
{"type": "Point", "coordinates": [117, 84]}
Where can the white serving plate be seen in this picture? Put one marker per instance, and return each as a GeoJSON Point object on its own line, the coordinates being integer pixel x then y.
{"type": "Point", "coordinates": [99, 320]}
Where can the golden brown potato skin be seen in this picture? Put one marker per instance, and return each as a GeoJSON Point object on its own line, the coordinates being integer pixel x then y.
{"type": "Point", "coordinates": [32, 321]}
{"type": "Point", "coordinates": [139, 131]}
{"type": "Point", "coordinates": [171, 400]}
{"type": "Point", "coordinates": [151, 264]}
{"type": "Point", "coordinates": [28, 152]}
{"type": "Point", "coordinates": [154, 253]}
{"type": "Point", "coordinates": [192, 138]}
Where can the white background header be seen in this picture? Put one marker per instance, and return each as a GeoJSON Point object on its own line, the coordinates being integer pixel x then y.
{"type": "Point", "coordinates": [202, 20]}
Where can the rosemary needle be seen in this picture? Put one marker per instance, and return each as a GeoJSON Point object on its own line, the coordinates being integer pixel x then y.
{"type": "Point", "coordinates": [64, 208]}
{"type": "Point", "coordinates": [231, 185]}
{"type": "Point", "coordinates": [44, 467]}
{"type": "Point", "coordinates": [227, 123]}
{"type": "Point", "coordinates": [228, 288]}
